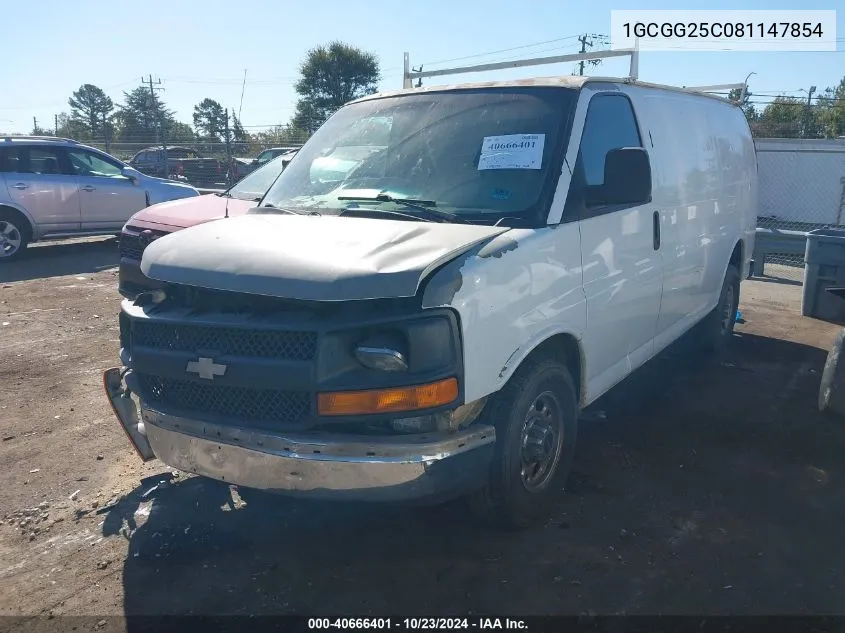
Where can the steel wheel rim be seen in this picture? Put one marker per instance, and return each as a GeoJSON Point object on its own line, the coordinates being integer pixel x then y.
{"type": "Point", "coordinates": [10, 239]}
{"type": "Point", "coordinates": [541, 441]}
{"type": "Point", "coordinates": [728, 311]}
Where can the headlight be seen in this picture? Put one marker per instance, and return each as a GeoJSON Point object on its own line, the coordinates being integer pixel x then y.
{"type": "Point", "coordinates": [386, 352]}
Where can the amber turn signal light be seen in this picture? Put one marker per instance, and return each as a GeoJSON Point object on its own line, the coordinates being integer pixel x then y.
{"type": "Point", "coordinates": [373, 401]}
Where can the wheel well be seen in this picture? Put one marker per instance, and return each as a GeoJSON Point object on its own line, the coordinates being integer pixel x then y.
{"type": "Point", "coordinates": [566, 347]}
{"type": "Point", "coordinates": [25, 225]}
{"type": "Point", "coordinates": [736, 256]}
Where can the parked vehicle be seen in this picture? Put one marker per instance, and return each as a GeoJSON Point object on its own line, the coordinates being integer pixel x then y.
{"type": "Point", "coordinates": [154, 222]}
{"type": "Point", "coordinates": [246, 166]}
{"type": "Point", "coordinates": [430, 322]}
{"type": "Point", "coordinates": [182, 163]}
{"type": "Point", "coordinates": [52, 188]}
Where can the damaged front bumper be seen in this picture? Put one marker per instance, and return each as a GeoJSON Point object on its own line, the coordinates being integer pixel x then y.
{"type": "Point", "coordinates": [316, 465]}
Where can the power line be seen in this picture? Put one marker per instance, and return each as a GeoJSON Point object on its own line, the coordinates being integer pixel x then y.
{"type": "Point", "coordinates": [503, 50]}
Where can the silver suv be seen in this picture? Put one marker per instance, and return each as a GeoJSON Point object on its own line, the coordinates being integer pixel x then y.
{"type": "Point", "coordinates": [52, 188]}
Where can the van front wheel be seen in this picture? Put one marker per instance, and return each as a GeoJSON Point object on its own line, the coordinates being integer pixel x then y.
{"type": "Point", "coordinates": [536, 421]}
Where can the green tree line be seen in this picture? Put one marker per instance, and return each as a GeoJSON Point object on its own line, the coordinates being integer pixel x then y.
{"type": "Point", "coordinates": [330, 76]}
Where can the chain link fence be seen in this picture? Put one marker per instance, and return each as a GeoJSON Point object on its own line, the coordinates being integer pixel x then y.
{"type": "Point", "coordinates": [801, 188]}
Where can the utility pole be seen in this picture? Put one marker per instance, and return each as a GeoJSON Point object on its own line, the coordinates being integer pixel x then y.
{"type": "Point", "coordinates": [584, 44]}
{"type": "Point", "coordinates": [56, 117]}
{"type": "Point", "coordinates": [807, 112]}
{"type": "Point", "coordinates": [34, 126]}
{"type": "Point", "coordinates": [588, 40]}
{"type": "Point", "coordinates": [163, 138]}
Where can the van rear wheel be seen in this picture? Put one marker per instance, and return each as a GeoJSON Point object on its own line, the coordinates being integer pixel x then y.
{"type": "Point", "coordinates": [536, 421]}
{"type": "Point", "coordinates": [717, 328]}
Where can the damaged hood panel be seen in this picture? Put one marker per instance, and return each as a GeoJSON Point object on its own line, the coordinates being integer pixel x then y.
{"type": "Point", "coordinates": [316, 258]}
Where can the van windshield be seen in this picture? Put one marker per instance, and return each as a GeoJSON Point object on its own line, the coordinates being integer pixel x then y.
{"type": "Point", "coordinates": [480, 154]}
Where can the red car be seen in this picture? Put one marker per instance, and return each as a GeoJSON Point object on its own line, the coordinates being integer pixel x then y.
{"type": "Point", "coordinates": [160, 219]}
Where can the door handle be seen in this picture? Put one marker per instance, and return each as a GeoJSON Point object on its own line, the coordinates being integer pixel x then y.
{"type": "Point", "coordinates": [89, 188]}
{"type": "Point", "coordinates": [20, 185]}
{"type": "Point", "coordinates": [656, 230]}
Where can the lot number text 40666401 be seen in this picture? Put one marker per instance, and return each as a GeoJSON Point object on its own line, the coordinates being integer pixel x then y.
{"type": "Point", "coordinates": [417, 624]}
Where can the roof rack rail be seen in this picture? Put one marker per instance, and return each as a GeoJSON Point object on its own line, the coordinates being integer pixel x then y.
{"type": "Point", "coordinates": [742, 87]}
{"type": "Point", "coordinates": [634, 52]}
{"type": "Point", "coordinates": [33, 137]}
{"type": "Point", "coordinates": [409, 75]}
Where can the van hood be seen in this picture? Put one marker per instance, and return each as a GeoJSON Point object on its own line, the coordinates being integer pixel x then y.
{"type": "Point", "coordinates": [315, 258]}
{"type": "Point", "coordinates": [187, 212]}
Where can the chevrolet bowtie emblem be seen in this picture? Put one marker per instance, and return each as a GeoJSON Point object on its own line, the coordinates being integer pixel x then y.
{"type": "Point", "coordinates": [206, 368]}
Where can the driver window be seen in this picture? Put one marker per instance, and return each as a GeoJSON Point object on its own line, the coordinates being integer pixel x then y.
{"type": "Point", "coordinates": [610, 124]}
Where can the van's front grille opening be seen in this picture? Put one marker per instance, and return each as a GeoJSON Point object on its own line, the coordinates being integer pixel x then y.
{"type": "Point", "coordinates": [267, 408]}
{"type": "Point", "coordinates": [278, 344]}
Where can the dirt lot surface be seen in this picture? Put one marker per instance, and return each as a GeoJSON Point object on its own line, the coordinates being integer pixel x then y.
{"type": "Point", "coordinates": [698, 488]}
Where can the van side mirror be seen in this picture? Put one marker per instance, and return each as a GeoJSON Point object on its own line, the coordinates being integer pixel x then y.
{"type": "Point", "coordinates": [627, 178]}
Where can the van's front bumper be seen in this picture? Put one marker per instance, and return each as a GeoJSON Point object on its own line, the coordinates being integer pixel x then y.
{"type": "Point", "coordinates": [315, 465]}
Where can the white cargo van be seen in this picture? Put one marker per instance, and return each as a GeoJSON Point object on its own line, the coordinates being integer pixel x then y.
{"type": "Point", "coordinates": [428, 321]}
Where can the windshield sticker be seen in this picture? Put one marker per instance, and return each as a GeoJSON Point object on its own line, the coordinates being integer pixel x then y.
{"type": "Point", "coordinates": [501, 194]}
{"type": "Point", "coordinates": [512, 151]}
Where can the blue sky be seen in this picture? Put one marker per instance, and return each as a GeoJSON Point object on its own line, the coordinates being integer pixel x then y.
{"type": "Point", "coordinates": [200, 48]}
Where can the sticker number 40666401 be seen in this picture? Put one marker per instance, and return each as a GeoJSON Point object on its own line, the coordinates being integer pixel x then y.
{"type": "Point", "coordinates": [512, 151]}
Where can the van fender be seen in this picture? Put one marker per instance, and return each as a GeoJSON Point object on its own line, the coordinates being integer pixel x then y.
{"type": "Point", "coordinates": [511, 293]}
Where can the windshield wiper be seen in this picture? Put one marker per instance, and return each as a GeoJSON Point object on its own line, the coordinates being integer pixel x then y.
{"type": "Point", "coordinates": [426, 207]}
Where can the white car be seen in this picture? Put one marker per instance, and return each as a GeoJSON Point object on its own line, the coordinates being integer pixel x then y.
{"type": "Point", "coordinates": [429, 322]}
{"type": "Point", "coordinates": [53, 188]}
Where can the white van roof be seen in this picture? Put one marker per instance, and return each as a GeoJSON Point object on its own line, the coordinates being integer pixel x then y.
{"type": "Point", "coordinates": [564, 81]}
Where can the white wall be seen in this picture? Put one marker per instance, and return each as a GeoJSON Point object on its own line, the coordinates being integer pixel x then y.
{"type": "Point", "coordinates": [802, 180]}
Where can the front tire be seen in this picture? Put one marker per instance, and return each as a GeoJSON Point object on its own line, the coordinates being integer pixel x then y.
{"type": "Point", "coordinates": [14, 236]}
{"type": "Point", "coordinates": [536, 421]}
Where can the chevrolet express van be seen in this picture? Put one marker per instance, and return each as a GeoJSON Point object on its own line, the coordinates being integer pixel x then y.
{"type": "Point", "coordinates": [428, 322]}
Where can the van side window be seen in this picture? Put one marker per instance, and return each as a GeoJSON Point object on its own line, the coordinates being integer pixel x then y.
{"type": "Point", "coordinates": [610, 124]}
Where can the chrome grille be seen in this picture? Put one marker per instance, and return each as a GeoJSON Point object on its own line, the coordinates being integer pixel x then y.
{"type": "Point", "coordinates": [256, 406]}
{"type": "Point", "coordinates": [298, 346]}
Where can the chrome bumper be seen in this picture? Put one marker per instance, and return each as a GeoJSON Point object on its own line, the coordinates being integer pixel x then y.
{"type": "Point", "coordinates": [318, 465]}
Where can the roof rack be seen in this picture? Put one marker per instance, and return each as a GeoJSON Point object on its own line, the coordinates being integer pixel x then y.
{"type": "Point", "coordinates": [634, 52]}
{"type": "Point", "coordinates": [32, 137]}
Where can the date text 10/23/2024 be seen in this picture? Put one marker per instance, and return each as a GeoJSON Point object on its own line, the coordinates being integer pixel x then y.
{"type": "Point", "coordinates": [417, 624]}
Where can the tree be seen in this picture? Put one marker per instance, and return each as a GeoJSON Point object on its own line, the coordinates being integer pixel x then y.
{"type": "Point", "coordinates": [330, 77]}
{"type": "Point", "coordinates": [831, 111]}
{"type": "Point", "coordinates": [783, 118]}
{"type": "Point", "coordinates": [71, 128]}
{"type": "Point", "coordinates": [141, 117]}
{"type": "Point", "coordinates": [239, 136]}
{"type": "Point", "coordinates": [91, 108]}
{"type": "Point", "coordinates": [209, 120]}
{"type": "Point", "coordinates": [179, 132]}
{"type": "Point", "coordinates": [744, 102]}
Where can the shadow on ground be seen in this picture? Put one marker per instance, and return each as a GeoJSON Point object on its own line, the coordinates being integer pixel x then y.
{"type": "Point", "coordinates": [54, 259]}
{"type": "Point", "coordinates": [699, 487]}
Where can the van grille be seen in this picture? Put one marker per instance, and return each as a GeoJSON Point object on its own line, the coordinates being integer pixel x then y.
{"type": "Point", "coordinates": [264, 407]}
{"type": "Point", "coordinates": [278, 344]}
